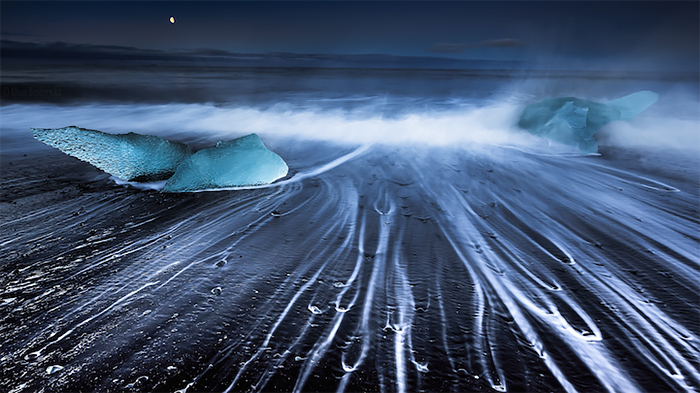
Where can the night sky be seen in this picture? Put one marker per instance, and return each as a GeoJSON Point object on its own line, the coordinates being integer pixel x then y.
{"type": "Point", "coordinates": [578, 32]}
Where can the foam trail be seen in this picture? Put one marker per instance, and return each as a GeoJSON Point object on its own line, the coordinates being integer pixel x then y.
{"type": "Point", "coordinates": [402, 266]}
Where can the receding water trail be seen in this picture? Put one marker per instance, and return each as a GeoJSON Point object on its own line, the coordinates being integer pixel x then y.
{"type": "Point", "coordinates": [402, 268]}
{"type": "Point", "coordinates": [437, 248]}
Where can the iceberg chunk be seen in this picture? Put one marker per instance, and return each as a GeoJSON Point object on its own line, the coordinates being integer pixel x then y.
{"type": "Point", "coordinates": [573, 121]}
{"type": "Point", "coordinates": [237, 163]}
{"type": "Point", "coordinates": [132, 157]}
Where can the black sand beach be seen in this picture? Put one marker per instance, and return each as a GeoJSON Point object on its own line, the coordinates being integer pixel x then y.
{"type": "Point", "coordinates": [392, 269]}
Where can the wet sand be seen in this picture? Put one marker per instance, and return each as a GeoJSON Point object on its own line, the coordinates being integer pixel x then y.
{"type": "Point", "coordinates": [400, 269]}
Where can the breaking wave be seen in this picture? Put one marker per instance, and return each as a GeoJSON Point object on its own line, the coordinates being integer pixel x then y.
{"type": "Point", "coordinates": [374, 120]}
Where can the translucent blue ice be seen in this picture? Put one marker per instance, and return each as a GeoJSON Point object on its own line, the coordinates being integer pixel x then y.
{"type": "Point", "coordinates": [237, 163]}
{"type": "Point", "coordinates": [573, 121]}
{"type": "Point", "coordinates": [131, 156]}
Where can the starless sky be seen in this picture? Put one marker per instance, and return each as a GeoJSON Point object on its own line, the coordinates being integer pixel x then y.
{"type": "Point", "coordinates": [522, 30]}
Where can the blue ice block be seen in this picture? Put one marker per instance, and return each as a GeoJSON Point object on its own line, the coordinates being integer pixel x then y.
{"type": "Point", "coordinates": [237, 163]}
{"type": "Point", "coordinates": [574, 121]}
{"type": "Point", "coordinates": [131, 156]}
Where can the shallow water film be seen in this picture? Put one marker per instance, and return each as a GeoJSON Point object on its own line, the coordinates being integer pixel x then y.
{"type": "Point", "coordinates": [415, 245]}
{"type": "Point", "coordinates": [392, 269]}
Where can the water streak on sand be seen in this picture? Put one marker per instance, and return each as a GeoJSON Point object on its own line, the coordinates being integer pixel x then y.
{"type": "Point", "coordinates": [401, 268]}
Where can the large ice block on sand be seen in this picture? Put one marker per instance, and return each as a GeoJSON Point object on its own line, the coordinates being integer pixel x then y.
{"type": "Point", "coordinates": [131, 156]}
{"type": "Point", "coordinates": [573, 121]}
{"type": "Point", "coordinates": [240, 162]}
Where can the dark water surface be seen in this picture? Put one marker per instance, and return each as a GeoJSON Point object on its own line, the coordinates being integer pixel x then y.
{"type": "Point", "coordinates": [463, 257]}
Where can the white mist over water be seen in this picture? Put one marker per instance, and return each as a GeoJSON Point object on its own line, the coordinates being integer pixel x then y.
{"type": "Point", "coordinates": [460, 124]}
{"type": "Point", "coordinates": [483, 125]}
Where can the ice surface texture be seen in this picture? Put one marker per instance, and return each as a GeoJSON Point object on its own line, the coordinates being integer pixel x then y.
{"type": "Point", "coordinates": [573, 121]}
{"type": "Point", "coordinates": [131, 156]}
{"type": "Point", "coordinates": [240, 162]}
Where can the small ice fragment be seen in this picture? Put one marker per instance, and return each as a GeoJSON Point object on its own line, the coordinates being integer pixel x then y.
{"type": "Point", "coordinates": [53, 369]}
{"type": "Point", "coordinates": [315, 310]}
{"type": "Point", "coordinates": [237, 163]}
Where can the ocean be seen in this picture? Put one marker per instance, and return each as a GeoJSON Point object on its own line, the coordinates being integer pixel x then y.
{"type": "Point", "coordinates": [420, 242]}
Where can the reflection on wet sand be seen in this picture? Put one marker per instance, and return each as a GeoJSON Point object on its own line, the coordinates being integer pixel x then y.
{"type": "Point", "coordinates": [405, 269]}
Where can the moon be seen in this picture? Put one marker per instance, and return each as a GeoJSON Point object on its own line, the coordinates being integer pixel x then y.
{"type": "Point", "coordinates": [172, 19]}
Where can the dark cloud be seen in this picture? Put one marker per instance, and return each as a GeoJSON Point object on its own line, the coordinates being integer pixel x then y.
{"type": "Point", "coordinates": [503, 42]}
{"type": "Point", "coordinates": [61, 52]}
{"type": "Point", "coordinates": [211, 52]}
{"type": "Point", "coordinates": [458, 48]}
{"type": "Point", "coordinates": [446, 47]}
{"type": "Point", "coordinates": [15, 34]}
